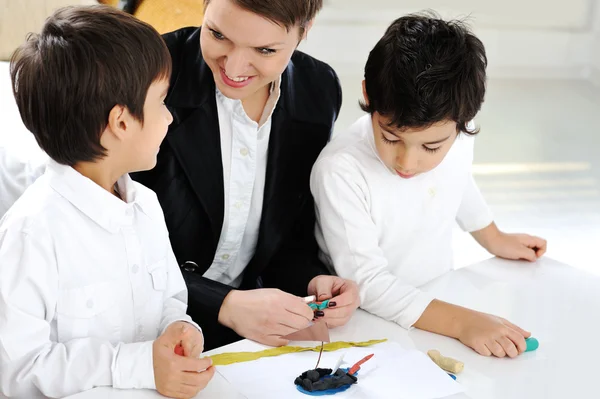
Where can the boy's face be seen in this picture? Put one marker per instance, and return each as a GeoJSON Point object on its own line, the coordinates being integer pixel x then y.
{"type": "Point", "coordinates": [412, 152]}
{"type": "Point", "coordinates": [244, 51]}
{"type": "Point", "coordinates": [144, 142]}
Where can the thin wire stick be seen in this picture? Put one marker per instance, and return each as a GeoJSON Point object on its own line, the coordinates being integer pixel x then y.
{"type": "Point", "coordinates": [320, 353]}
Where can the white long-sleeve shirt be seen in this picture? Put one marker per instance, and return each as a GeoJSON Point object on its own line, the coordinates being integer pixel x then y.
{"type": "Point", "coordinates": [87, 282]}
{"type": "Point", "coordinates": [244, 148]}
{"type": "Point", "coordinates": [17, 172]}
{"type": "Point", "coordinates": [389, 234]}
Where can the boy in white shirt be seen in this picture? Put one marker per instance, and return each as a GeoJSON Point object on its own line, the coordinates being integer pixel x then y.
{"type": "Point", "coordinates": [389, 191]}
{"type": "Point", "coordinates": [91, 294]}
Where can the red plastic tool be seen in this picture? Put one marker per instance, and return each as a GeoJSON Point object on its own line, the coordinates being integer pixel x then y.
{"type": "Point", "coordinates": [356, 367]}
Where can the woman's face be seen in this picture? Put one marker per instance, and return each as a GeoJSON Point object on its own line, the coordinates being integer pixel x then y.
{"type": "Point", "coordinates": [245, 51]}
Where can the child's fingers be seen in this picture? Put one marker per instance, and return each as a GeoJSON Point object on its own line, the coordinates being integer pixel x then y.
{"type": "Point", "coordinates": [540, 247]}
{"type": "Point", "coordinates": [509, 347]}
{"type": "Point", "coordinates": [193, 364]}
{"type": "Point", "coordinates": [538, 242]}
{"type": "Point", "coordinates": [496, 349]}
{"type": "Point", "coordinates": [540, 252]}
{"type": "Point", "coordinates": [517, 339]}
{"type": "Point", "coordinates": [198, 379]}
{"type": "Point", "coordinates": [527, 254]}
{"type": "Point", "coordinates": [534, 242]}
{"type": "Point", "coordinates": [482, 350]}
{"type": "Point", "coordinates": [518, 329]}
{"type": "Point", "coordinates": [194, 345]}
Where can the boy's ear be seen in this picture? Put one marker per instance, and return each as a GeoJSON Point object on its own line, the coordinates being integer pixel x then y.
{"type": "Point", "coordinates": [307, 28]}
{"type": "Point", "coordinates": [364, 90]}
{"type": "Point", "coordinates": [119, 121]}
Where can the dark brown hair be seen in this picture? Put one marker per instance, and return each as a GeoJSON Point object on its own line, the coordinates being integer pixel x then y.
{"type": "Point", "coordinates": [425, 70]}
{"type": "Point", "coordinates": [287, 13]}
{"type": "Point", "coordinates": [85, 61]}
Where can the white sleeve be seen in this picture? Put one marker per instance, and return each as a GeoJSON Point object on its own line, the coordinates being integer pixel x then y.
{"type": "Point", "coordinates": [17, 173]}
{"type": "Point", "coordinates": [176, 296]}
{"type": "Point", "coordinates": [473, 213]}
{"type": "Point", "coordinates": [350, 239]}
{"type": "Point", "coordinates": [30, 362]}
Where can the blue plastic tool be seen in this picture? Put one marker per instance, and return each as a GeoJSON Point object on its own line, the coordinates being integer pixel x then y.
{"type": "Point", "coordinates": [319, 305]}
{"type": "Point", "coordinates": [532, 344]}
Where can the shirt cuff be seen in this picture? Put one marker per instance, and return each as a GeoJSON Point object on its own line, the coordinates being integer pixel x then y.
{"type": "Point", "coordinates": [133, 366]}
{"type": "Point", "coordinates": [413, 312]}
{"type": "Point", "coordinates": [482, 221]}
{"type": "Point", "coordinates": [186, 319]}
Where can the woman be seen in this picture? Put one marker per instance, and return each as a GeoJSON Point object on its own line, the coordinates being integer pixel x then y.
{"type": "Point", "coordinates": [251, 115]}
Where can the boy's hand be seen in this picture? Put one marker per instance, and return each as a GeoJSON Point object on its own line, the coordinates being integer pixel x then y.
{"type": "Point", "coordinates": [491, 335]}
{"type": "Point", "coordinates": [178, 376]}
{"type": "Point", "coordinates": [518, 246]}
{"type": "Point", "coordinates": [510, 246]}
{"type": "Point", "coordinates": [192, 340]}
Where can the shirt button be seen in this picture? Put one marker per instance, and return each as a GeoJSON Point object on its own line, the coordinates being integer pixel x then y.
{"type": "Point", "coordinates": [244, 152]}
{"type": "Point", "coordinates": [135, 269]}
{"type": "Point", "coordinates": [238, 204]}
{"type": "Point", "coordinates": [225, 257]}
{"type": "Point", "coordinates": [89, 304]}
{"type": "Point", "coordinates": [432, 192]}
{"type": "Point", "coordinates": [129, 212]}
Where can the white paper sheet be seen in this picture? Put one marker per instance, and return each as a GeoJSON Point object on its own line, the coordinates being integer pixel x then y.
{"type": "Point", "coordinates": [392, 373]}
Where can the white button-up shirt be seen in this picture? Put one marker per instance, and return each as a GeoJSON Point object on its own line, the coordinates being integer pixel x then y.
{"type": "Point", "coordinates": [389, 234]}
{"type": "Point", "coordinates": [244, 147]}
{"type": "Point", "coordinates": [87, 283]}
{"type": "Point", "coordinates": [17, 172]}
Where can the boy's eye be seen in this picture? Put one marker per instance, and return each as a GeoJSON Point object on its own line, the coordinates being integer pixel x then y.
{"type": "Point", "coordinates": [217, 35]}
{"type": "Point", "coordinates": [429, 149]}
{"type": "Point", "coordinates": [388, 141]}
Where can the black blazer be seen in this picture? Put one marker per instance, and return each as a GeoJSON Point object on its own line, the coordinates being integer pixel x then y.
{"type": "Point", "coordinates": [188, 179]}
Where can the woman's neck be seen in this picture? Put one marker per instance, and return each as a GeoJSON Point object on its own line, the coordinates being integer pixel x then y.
{"type": "Point", "coordinates": [254, 105]}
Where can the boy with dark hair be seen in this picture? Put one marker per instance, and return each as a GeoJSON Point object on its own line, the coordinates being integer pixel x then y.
{"type": "Point", "coordinates": [91, 293]}
{"type": "Point", "coordinates": [388, 193]}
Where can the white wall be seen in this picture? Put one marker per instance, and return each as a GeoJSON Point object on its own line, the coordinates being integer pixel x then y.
{"type": "Point", "coordinates": [523, 38]}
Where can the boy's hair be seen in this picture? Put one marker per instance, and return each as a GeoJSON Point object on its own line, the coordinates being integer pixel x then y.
{"type": "Point", "coordinates": [85, 61]}
{"type": "Point", "coordinates": [287, 13]}
{"type": "Point", "coordinates": [425, 70]}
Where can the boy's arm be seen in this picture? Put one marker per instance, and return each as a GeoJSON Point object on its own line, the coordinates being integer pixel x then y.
{"type": "Point", "coordinates": [475, 217]}
{"type": "Point", "coordinates": [486, 334]}
{"type": "Point", "coordinates": [175, 297]}
{"type": "Point", "coordinates": [473, 213]}
{"type": "Point", "coordinates": [350, 239]}
{"type": "Point", "coordinates": [29, 359]}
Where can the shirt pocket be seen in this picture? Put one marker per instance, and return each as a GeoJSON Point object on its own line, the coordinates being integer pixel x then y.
{"type": "Point", "coordinates": [158, 274]}
{"type": "Point", "coordinates": [158, 282]}
{"type": "Point", "coordinates": [90, 311]}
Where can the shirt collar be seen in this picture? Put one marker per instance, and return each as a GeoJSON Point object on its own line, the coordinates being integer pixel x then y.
{"type": "Point", "coordinates": [95, 202]}
{"type": "Point", "coordinates": [368, 128]}
{"type": "Point", "coordinates": [235, 106]}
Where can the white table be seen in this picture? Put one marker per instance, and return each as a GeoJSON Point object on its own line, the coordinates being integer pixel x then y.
{"type": "Point", "coordinates": [559, 304]}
